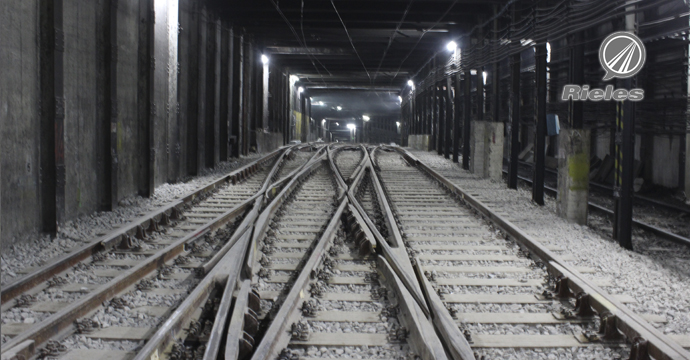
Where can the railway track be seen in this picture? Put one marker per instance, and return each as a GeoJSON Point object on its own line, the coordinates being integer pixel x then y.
{"type": "Point", "coordinates": [350, 252]}
{"type": "Point", "coordinates": [136, 274]}
{"type": "Point", "coordinates": [662, 230]}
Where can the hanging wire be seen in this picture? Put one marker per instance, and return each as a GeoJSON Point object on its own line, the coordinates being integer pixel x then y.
{"type": "Point", "coordinates": [350, 38]}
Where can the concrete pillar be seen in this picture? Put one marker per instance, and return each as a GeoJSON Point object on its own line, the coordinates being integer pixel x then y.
{"type": "Point", "coordinates": [493, 148]}
{"type": "Point", "coordinates": [487, 149]}
{"type": "Point", "coordinates": [477, 139]}
{"type": "Point", "coordinates": [573, 174]}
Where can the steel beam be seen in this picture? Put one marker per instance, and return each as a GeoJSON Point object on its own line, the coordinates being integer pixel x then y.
{"type": "Point", "coordinates": [514, 121]}
{"type": "Point", "coordinates": [540, 121]}
{"type": "Point", "coordinates": [441, 118]}
{"type": "Point", "coordinates": [448, 117]}
{"type": "Point", "coordinates": [456, 121]}
{"type": "Point", "coordinates": [111, 168]}
{"type": "Point", "coordinates": [467, 112]}
{"type": "Point", "coordinates": [577, 76]}
{"type": "Point", "coordinates": [52, 114]}
{"type": "Point", "coordinates": [310, 51]}
{"type": "Point", "coordinates": [625, 161]}
{"type": "Point", "coordinates": [147, 64]}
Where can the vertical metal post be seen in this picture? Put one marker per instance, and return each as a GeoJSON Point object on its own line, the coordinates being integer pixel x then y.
{"type": "Point", "coordinates": [625, 159]}
{"type": "Point", "coordinates": [148, 23]}
{"type": "Point", "coordinates": [111, 168]}
{"type": "Point", "coordinates": [449, 117]}
{"type": "Point", "coordinates": [540, 121]}
{"type": "Point", "coordinates": [52, 114]}
{"type": "Point", "coordinates": [577, 76]}
{"type": "Point", "coordinates": [480, 93]}
{"type": "Point", "coordinates": [303, 111]}
{"type": "Point", "coordinates": [457, 123]}
{"type": "Point", "coordinates": [514, 121]}
{"type": "Point", "coordinates": [441, 118]}
{"type": "Point", "coordinates": [467, 112]}
{"type": "Point", "coordinates": [434, 116]}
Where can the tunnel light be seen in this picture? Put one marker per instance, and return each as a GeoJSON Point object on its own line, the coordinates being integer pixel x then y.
{"type": "Point", "coordinates": [339, 108]}
{"type": "Point", "coordinates": [410, 83]}
{"type": "Point", "coordinates": [548, 52]}
{"type": "Point", "coordinates": [300, 90]}
{"type": "Point", "coordinates": [366, 118]}
{"type": "Point", "coordinates": [399, 98]}
{"type": "Point", "coordinates": [473, 72]}
{"type": "Point", "coordinates": [351, 126]}
{"type": "Point", "coordinates": [397, 123]}
{"type": "Point", "coordinates": [452, 46]}
{"type": "Point", "coordinates": [264, 59]}
{"type": "Point", "coordinates": [484, 75]}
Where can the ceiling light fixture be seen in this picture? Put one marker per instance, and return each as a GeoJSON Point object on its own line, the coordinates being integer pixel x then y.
{"type": "Point", "coordinates": [452, 46]}
{"type": "Point", "coordinates": [300, 90]}
{"type": "Point", "coordinates": [264, 59]}
{"type": "Point", "coordinates": [366, 117]}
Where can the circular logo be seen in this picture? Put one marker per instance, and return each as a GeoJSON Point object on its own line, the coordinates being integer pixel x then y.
{"type": "Point", "coordinates": [622, 55]}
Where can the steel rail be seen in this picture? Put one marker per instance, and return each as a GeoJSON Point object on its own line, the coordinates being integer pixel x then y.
{"type": "Point", "coordinates": [444, 324]}
{"type": "Point", "coordinates": [678, 239]}
{"type": "Point", "coordinates": [627, 322]}
{"type": "Point", "coordinates": [272, 341]}
{"type": "Point", "coordinates": [223, 268]}
{"type": "Point", "coordinates": [54, 324]}
{"type": "Point", "coordinates": [64, 262]}
{"type": "Point", "coordinates": [642, 198]}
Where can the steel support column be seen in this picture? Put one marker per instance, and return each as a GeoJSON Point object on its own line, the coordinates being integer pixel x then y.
{"type": "Point", "coordinates": [457, 119]}
{"type": "Point", "coordinates": [514, 121]}
{"type": "Point", "coordinates": [111, 168]}
{"type": "Point", "coordinates": [540, 121]}
{"type": "Point", "coordinates": [441, 118]}
{"type": "Point", "coordinates": [52, 153]}
{"type": "Point", "coordinates": [624, 164]}
{"type": "Point", "coordinates": [449, 117]}
{"type": "Point", "coordinates": [147, 85]}
{"type": "Point", "coordinates": [480, 94]}
{"type": "Point", "coordinates": [467, 112]}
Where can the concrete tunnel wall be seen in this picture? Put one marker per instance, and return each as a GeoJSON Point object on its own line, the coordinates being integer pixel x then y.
{"type": "Point", "coordinates": [191, 103]}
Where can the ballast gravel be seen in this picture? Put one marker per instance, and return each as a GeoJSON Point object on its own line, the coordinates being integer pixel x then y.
{"type": "Point", "coordinates": [36, 249]}
{"type": "Point", "coordinates": [656, 274]}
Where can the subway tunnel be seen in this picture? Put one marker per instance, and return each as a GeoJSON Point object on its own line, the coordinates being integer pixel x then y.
{"type": "Point", "coordinates": [186, 132]}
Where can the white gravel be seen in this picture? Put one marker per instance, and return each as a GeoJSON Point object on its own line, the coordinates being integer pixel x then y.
{"type": "Point", "coordinates": [35, 249]}
{"type": "Point", "coordinates": [656, 274]}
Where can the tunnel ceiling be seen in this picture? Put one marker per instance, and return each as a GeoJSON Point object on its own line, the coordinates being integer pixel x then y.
{"type": "Point", "coordinates": [385, 42]}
